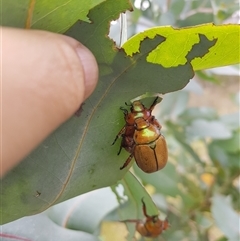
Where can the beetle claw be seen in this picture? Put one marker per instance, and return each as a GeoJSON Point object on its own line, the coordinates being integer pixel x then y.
{"type": "Point", "coordinates": [114, 140]}
{"type": "Point", "coordinates": [127, 162]}
{"type": "Point", "coordinates": [120, 149]}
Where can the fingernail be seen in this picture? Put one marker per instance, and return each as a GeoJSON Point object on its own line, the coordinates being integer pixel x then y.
{"type": "Point", "coordinates": [90, 67]}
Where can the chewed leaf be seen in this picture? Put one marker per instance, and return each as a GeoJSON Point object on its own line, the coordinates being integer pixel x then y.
{"type": "Point", "coordinates": [78, 157]}
{"type": "Point", "coordinates": [212, 41]}
{"type": "Point", "coordinates": [55, 15]}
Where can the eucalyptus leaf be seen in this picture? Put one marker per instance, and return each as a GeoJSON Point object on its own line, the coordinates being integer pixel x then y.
{"type": "Point", "coordinates": [202, 128]}
{"type": "Point", "coordinates": [41, 228]}
{"type": "Point", "coordinates": [85, 212]}
{"type": "Point", "coordinates": [165, 181]}
{"type": "Point", "coordinates": [223, 212]}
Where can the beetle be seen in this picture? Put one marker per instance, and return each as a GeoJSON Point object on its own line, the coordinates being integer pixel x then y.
{"type": "Point", "coordinates": [137, 110]}
{"type": "Point", "coordinates": [151, 226]}
{"type": "Point", "coordinates": [149, 149]}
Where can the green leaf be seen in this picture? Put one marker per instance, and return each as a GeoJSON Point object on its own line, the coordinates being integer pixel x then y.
{"type": "Point", "coordinates": [218, 155]}
{"type": "Point", "coordinates": [230, 145]}
{"type": "Point", "coordinates": [165, 181]}
{"type": "Point", "coordinates": [180, 135]}
{"type": "Point", "coordinates": [206, 46]}
{"type": "Point", "coordinates": [84, 212]}
{"type": "Point", "coordinates": [40, 227]}
{"type": "Point", "coordinates": [222, 213]}
{"type": "Point", "coordinates": [231, 120]}
{"type": "Point", "coordinates": [173, 105]}
{"type": "Point", "coordinates": [199, 113]}
{"type": "Point", "coordinates": [135, 191]}
{"type": "Point", "coordinates": [55, 15]}
{"type": "Point", "coordinates": [201, 128]}
{"type": "Point", "coordinates": [78, 157]}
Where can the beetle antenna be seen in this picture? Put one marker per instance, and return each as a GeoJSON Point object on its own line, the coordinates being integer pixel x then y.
{"type": "Point", "coordinates": [124, 110]}
{"type": "Point", "coordinates": [128, 104]}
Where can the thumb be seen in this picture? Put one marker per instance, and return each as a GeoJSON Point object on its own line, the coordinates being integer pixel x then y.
{"type": "Point", "coordinates": [46, 77]}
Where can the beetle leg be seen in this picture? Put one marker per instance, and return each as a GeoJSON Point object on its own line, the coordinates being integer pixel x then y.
{"type": "Point", "coordinates": [165, 224]}
{"type": "Point", "coordinates": [120, 149]}
{"type": "Point", "coordinates": [127, 143]}
{"type": "Point", "coordinates": [127, 162]}
{"type": "Point", "coordinates": [115, 139]}
{"type": "Point", "coordinates": [155, 122]}
{"type": "Point", "coordinates": [119, 135]}
{"type": "Point", "coordinates": [153, 104]}
{"type": "Point", "coordinates": [145, 209]}
{"type": "Point", "coordinates": [128, 104]}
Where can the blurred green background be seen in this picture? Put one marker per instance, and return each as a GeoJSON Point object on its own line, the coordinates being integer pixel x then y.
{"type": "Point", "coordinates": [199, 188]}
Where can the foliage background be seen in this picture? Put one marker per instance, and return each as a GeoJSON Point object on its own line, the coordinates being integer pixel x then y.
{"type": "Point", "coordinates": [199, 188]}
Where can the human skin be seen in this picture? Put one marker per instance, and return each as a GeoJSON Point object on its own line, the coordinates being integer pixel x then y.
{"type": "Point", "coordinates": [44, 79]}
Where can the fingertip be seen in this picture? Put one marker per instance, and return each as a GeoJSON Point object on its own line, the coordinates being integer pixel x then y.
{"type": "Point", "coordinates": [52, 76]}
{"type": "Point", "coordinates": [90, 68]}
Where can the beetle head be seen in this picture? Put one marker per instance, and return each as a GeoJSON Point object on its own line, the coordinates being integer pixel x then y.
{"type": "Point", "coordinates": [137, 106]}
